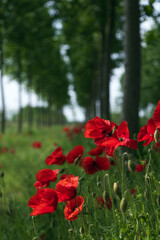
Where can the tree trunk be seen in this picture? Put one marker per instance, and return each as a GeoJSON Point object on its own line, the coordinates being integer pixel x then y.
{"type": "Point", "coordinates": [30, 111]}
{"type": "Point", "coordinates": [132, 65]}
{"type": "Point", "coordinates": [19, 74]}
{"type": "Point", "coordinates": [3, 120]}
{"type": "Point", "coordinates": [107, 30]}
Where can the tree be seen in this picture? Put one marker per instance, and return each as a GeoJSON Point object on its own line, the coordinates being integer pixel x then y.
{"type": "Point", "coordinates": [2, 20]}
{"type": "Point", "coordinates": [131, 98]}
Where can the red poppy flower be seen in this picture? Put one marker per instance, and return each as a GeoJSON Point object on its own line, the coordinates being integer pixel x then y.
{"type": "Point", "coordinates": [4, 149]}
{"type": "Point", "coordinates": [66, 129]}
{"type": "Point", "coordinates": [101, 203]}
{"type": "Point", "coordinates": [140, 167]}
{"type": "Point", "coordinates": [0, 165]}
{"type": "Point", "coordinates": [90, 166]}
{"type": "Point", "coordinates": [36, 144]}
{"type": "Point", "coordinates": [120, 137]}
{"type": "Point", "coordinates": [98, 128]}
{"type": "Point", "coordinates": [55, 144]}
{"type": "Point", "coordinates": [132, 191]}
{"type": "Point", "coordinates": [76, 152]}
{"type": "Point", "coordinates": [146, 133]}
{"type": "Point", "coordinates": [63, 176]}
{"type": "Point", "coordinates": [56, 157]}
{"type": "Point", "coordinates": [66, 188]}
{"type": "Point", "coordinates": [156, 116]}
{"type": "Point", "coordinates": [96, 151]}
{"type": "Point", "coordinates": [12, 151]}
{"type": "Point", "coordinates": [45, 201]}
{"type": "Point", "coordinates": [157, 146]}
{"type": "Point", "coordinates": [45, 176]}
{"type": "Point", "coordinates": [73, 208]}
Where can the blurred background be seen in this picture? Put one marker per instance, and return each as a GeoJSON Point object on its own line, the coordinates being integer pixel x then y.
{"type": "Point", "coordinates": [71, 60]}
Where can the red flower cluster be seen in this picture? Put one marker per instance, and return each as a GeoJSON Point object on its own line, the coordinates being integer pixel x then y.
{"type": "Point", "coordinates": [46, 199]}
{"type": "Point", "coordinates": [36, 144]}
{"type": "Point", "coordinates": [107, 134]}
{"type": "Point", "coordinates": [72, 131]}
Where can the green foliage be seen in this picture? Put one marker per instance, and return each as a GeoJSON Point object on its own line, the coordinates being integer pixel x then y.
{"type": "Point", "coordinates": [150, 68]}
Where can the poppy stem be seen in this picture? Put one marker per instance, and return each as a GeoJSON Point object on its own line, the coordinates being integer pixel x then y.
{"type": "Point", "coordinates": [34, 226]}
{"type": "Point", "coordinates": [110, 193]}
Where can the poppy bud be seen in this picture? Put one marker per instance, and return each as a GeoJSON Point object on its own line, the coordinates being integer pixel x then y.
{"type": "Point", "coordinates": [61, 170]}
{"type": "Point", "coordinates": [105, 196]}
{"type": "Point", "coordinates": [98, 179]}
{"type": "Point", "coordinates": [116, 189]}
{"type": "Point", "coordinates": [70, 230]}
{"type": "Point", "coordinates": [114, 128]}
{"type": "Point", "coordinates": [99, 184]}
{"type": "Point", "coordinates": [147, 178]}
{"type": "Point", "coordinates": [123, 205]}
{"type": "Point", "coordinates": [156, 135]}
{"type": "Point", "coordinates": [2, 174]}
{"type": "Point", "coordinates": [93, 194]}
{"type": "Point", "coordinates": [131, 166]}
{"type": "Point", "coordinates": [77, 160]}
{"type": "Point", "coordinates": [158, 200]}
{"type": "Point", "coordinates": [147, 194]}
{"type": "Point", "coordinates": [81, 230]}
{"type": "Point", "coordinates": [125, 156]}
{"type": "Point", "coordinates": [81, 179]}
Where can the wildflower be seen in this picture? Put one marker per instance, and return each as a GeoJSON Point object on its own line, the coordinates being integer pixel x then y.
{"type": "Point", "coordinates": [73, 208]}
{"type": "Point", "coordinates": [96, 151]}
{"type": "Point", "coordinates": [45, 176]}
{"type": "Point", "coordinates": [140, 167]}
{"type": "Point", "coordinates": [56, 157]}
{"type": "Point", "coordinates": [100, 203]}
{"type": "Point", "coordinates": [66, 188]}
{"type": "Point", "coordinates": [36, 144]}
{"type": "Point", "coordinates": [75, 153]}
{"type": "Point", "coordinates": [45, 201]}
{"type": "Point", "coordinates": [100, 163]}
{"type": "Point", "coordinates": [120, 137]}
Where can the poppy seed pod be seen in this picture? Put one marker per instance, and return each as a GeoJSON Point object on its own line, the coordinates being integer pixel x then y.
{"type": "Point", "coordinates": [61, 170]}
{"type": "Point", "coordinates": [81, 230]}
{"type": "Point", "coordinates": [158, 200]}
{"type": "Point", "coordinates": [99, 184]}
{"type": "Point", "coordinates": [123, 205]}
{"type": "Point", "coordinates": [156, 135]}
{"type": "Point", "coordinates": [77, 160]}
{"type": "Point", "coordinates": [147, 178]}
{"type": "Point", "coordinates": [116, 189]}
{"type": "Point", "coordinates": [105, 196]}
{"type": "Point", "coordinates": [70, 230]}
{"type": "Point", "coordinates": [93, 194]}
{"type": "Point", "coordinates": [131, 166]}
{"type": "Point", "coordinates": [147, 194]}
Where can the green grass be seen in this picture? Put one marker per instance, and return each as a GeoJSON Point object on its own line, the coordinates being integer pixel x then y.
{"type": "Point", "coordinates": [139, 221]}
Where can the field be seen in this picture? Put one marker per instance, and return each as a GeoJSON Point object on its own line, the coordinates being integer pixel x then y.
{"type": "Point", "coordinates": [129, 210]}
